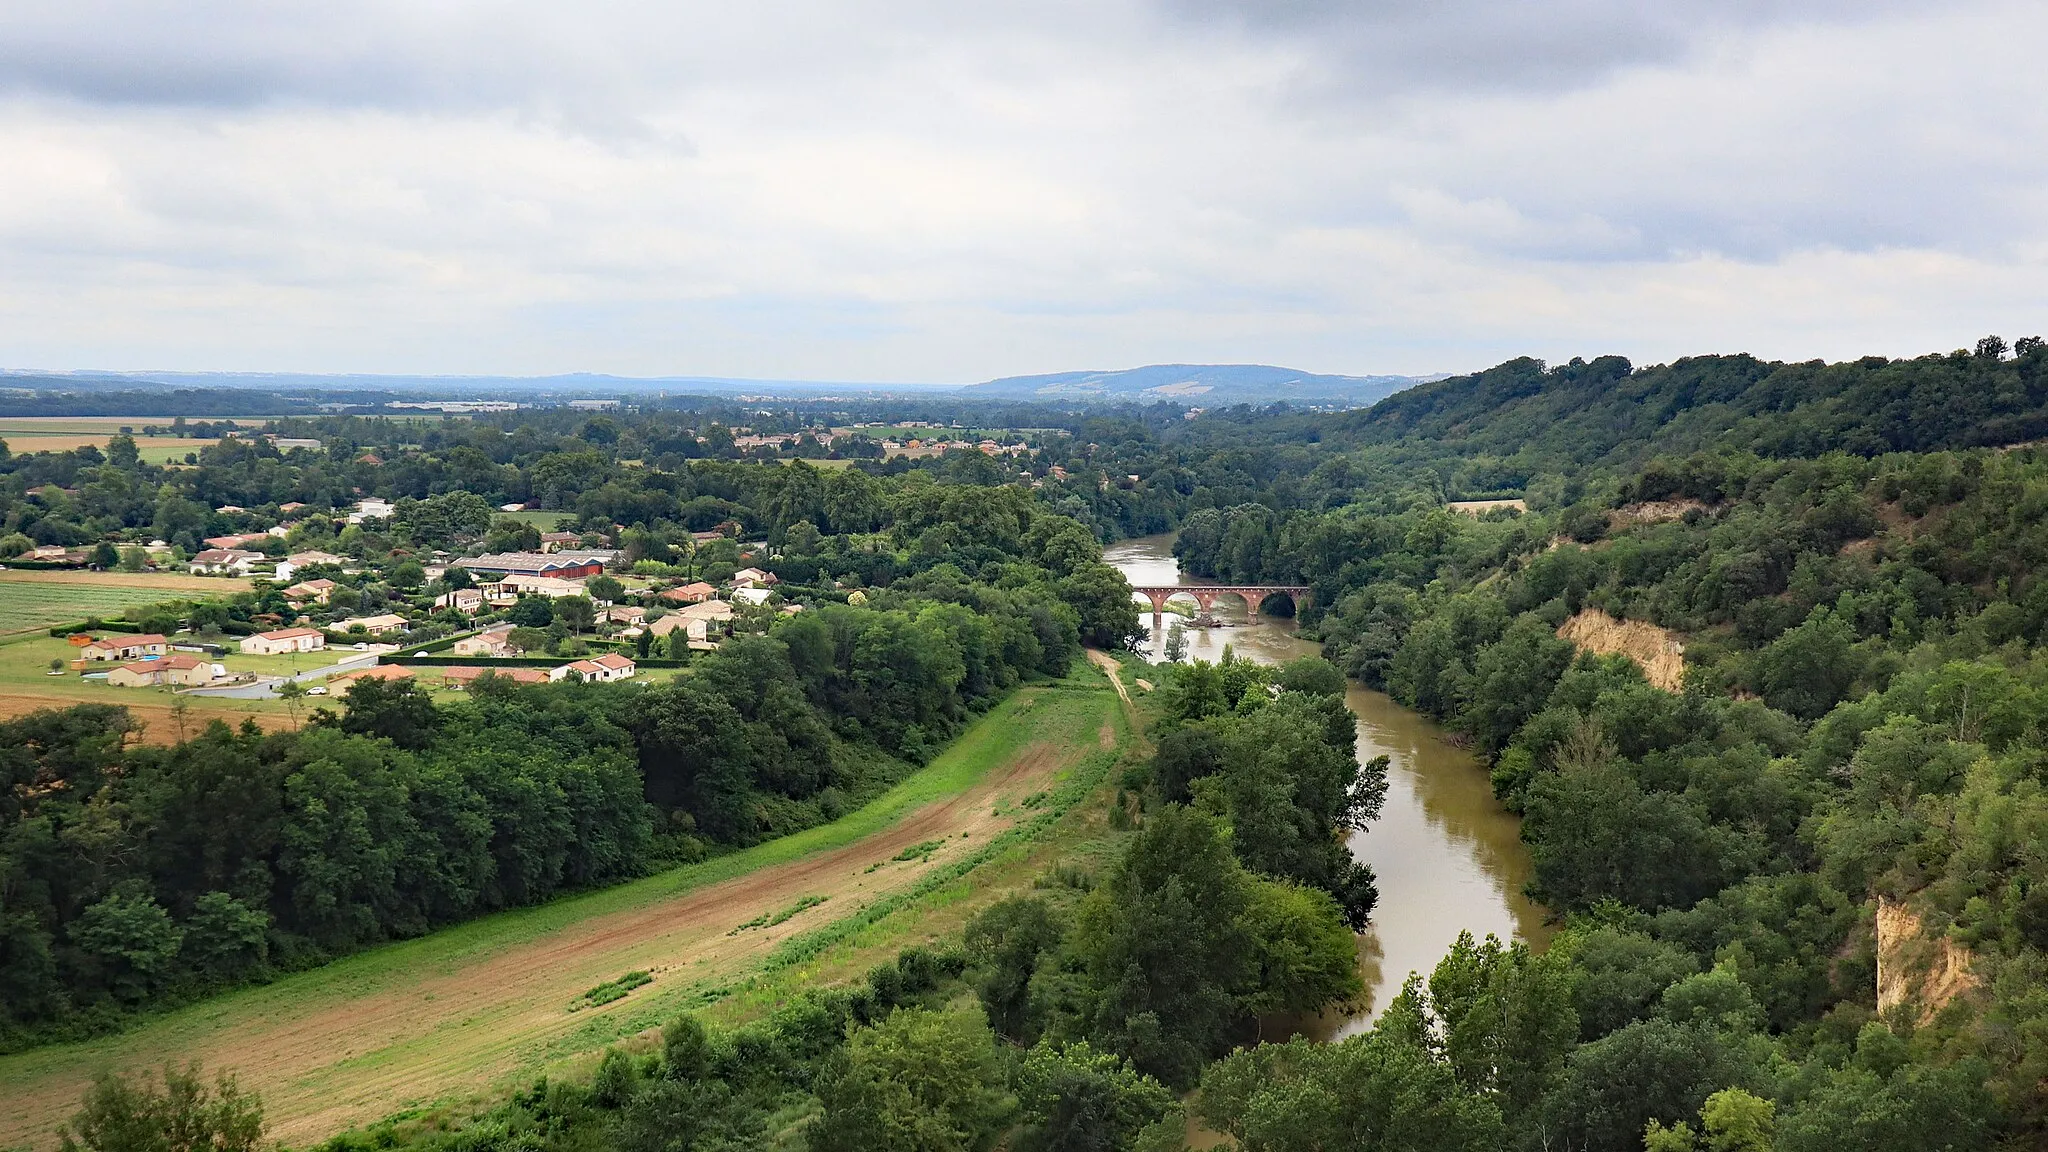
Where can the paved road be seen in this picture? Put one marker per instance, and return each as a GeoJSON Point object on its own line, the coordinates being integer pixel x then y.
{"type": "Point", "coordinates": [266, 689]}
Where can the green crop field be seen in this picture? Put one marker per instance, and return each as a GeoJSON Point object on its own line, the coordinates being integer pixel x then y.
{"type": "Point", "coordinates": [29, 607]}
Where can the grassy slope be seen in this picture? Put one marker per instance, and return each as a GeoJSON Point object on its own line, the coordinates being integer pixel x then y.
{"type": "Point", "coordinates": [50, 1078]}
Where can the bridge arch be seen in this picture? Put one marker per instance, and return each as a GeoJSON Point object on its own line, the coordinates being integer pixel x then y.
{"type": "Point", "coordinates": [1253, 596]}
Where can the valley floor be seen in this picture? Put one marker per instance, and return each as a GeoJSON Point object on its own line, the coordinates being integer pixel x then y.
{"type": "Point", "coordinates": [470, 1010]}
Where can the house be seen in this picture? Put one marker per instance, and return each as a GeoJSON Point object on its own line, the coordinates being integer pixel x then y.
{"type": "Point", "coordinates": [562, 566]}
{"type": "Point", "coordinates": [493, 641]}
{"type": "Point", "coordinates": [370, 509]}
{"type": "Point", "coordinates": [517, 585]}
{"type": "Point", "coordinates": [698, 620]}
{"type": "Point", "coordinates": [375, 672]}
{"type": "Point", "coordinates": [225, 561]}
{"type": "Point", "coordinates": [626, 614]}
{"type": "Point", "coordinates": [318, 591]}
{"type": "Point", "coordinates": [464, 677]}
{"type": "Point", "coordinates": [231, 509]}
{"type": "Point", "coordinates": [125, 647]}
{"type": "Point", "coordinates": [287, 443]}
{"type": "Point", "coordinates": [468, 601]}
{"type": "Point", "coordinates": [556, 541]}
{"type": "Point", "coordinates": [233, 541]}
{"type": "Point", "coordinates": [176, 670]}
{"type": "Point", "coordinates": [695, 593]}
{"type": "Point", "coordinates": [308, 559]}
{"type": "Point", "coordinates": [604, 669]}
{"type": "Point", "coordinates": [282, 641]}
{"type": "Point", "coordinates": [750, 576]}
{"type": "Point", "coordinates": [387, 622]}
{"type": "Point", "coordinates": [752, 594]}
{"type": "Point", "coordinates": [290, 506]}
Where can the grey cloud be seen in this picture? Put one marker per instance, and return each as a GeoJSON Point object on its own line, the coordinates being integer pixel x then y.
{"type": "Point", "coordinates": [1391, 47]}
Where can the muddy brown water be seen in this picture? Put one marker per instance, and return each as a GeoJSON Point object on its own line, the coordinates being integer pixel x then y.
{"type": "Point", "coordinates": [1448, 857]}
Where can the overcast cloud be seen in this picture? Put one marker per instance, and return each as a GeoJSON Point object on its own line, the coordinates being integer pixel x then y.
{"type": "Point", "coordinates": [946, 192]}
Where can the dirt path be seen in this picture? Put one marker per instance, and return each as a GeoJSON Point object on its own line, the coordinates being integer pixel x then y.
{"type": "Point", "coordinates": [409, 1038]}
{"type": "Point", "coordinates": [1114, 671]}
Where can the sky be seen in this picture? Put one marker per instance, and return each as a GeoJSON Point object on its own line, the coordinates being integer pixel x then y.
{"type": "Point", "coordinates": [915, 190]}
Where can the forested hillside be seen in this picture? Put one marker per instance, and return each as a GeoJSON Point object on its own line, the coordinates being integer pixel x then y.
{"type": "Point", "coordinates": [1848, 782]}
{"type": "Point", "coordinates": [1801, 890]}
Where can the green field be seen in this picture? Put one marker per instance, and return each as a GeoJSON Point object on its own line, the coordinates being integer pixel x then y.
{"type": "Point", "coordinates": [31, 606]}
{"type": "Point", "coordinates": [459, 1015]}
{"type": "Point", "coordinates": [543, 520]}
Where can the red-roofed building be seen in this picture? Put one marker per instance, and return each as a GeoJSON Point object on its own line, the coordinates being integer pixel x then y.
{"type": "Point", "coordinates": [695, 593]}
{"type": "Point", "coordinates": [282, 641]}
{"type": "Point", "coordinates": [119, 647]}
{"type": "Point", "coordinates": [179, 669]}
{"type": "Point", "coordinates": [605, 668]}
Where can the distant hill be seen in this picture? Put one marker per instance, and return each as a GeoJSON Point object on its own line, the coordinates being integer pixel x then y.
{"type": "Point", "coordinates": [1201, 384]}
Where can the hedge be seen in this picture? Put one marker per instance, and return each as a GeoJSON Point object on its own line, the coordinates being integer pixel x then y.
{"type": "Point", "coordinates": [514, 661]}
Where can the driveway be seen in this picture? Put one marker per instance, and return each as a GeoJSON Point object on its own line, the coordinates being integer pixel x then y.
{"type": "Point", "coordinates": [266, 689]}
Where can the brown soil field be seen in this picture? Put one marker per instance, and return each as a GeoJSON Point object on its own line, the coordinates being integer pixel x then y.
{"type": "Point", "coordinates": [171, 583]}
{"type": "Point", "coordinates": [478, 1018]}
{"type": "Point", "coordinates": [158, 725]}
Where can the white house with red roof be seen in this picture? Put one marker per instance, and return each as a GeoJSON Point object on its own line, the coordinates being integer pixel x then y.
{"type": "Point", "coordinates": [603, 669]}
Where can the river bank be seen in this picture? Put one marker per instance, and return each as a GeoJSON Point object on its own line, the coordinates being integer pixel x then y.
{"type": "Point", "coordinates": [1448, 857]}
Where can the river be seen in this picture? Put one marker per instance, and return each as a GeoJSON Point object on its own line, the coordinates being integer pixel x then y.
{"type": "Point", "coordinates": [1448, 857]}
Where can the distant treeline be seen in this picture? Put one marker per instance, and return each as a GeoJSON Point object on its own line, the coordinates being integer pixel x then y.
{"type": "Point", "coordinates": [78, 400]}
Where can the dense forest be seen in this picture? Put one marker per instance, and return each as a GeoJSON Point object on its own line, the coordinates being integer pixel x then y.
{"type": "Point", "coordinates": [1800, 882]}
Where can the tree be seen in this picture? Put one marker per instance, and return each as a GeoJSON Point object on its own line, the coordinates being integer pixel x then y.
{"type": "Point", "coordinates": [396, 710]}
{"type": "Point", "coordinates": [606, 588]}
{"type": "Point", "coordinates": [225, 939]}
{"type": "Point", "coordinates": [291, 692]}
{"type": "Point", "coordinates": [531, 612]}
{"type": "Point", "coordinates": [920, 1081]}
{"type": "Point", "coordinates": [1176, 643]}
{"type": "Point", "coordinates": [1004, 944]}
{"type": "Point", "coordinates": [1077, 1099]}
{"type": "Point", "coordinates": [1311, 674]}
{"type": "Point", "coordinates": [1164, 943]}
{"type": "Point", "coordinates": [184, 1115]}
{"type": "Point", "coordinates": [1374, 1091]}
{"type": "Point", "coordinates": [121, 451]}
{"type": "Point", "coordinates": [104, 556]}
{"type": "Point", "coordinates": [1810, 668]}
{"type": "Point", "coordinates": [1304, 956]}
{"type": "Point", "coordinates": [1650, 1070]}
{"type": "Point", "coordinates": [578, 612]}
{"type": "Point", "coordinates": [131, 937]}
{"type": "Point", "coordinates": [1109, 617]}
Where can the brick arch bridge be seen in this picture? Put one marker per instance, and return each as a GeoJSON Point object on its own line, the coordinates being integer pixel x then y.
{"type": "Point", "coordinates": [1205, 595]}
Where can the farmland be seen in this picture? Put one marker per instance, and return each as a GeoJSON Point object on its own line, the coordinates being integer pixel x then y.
{"type": "Point", "coordinates": [31, 601]}
{"type": "Point", "coordinates": [27, 434]}
{"type": "Point", "coordinates": [458, 1015]}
